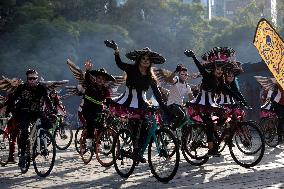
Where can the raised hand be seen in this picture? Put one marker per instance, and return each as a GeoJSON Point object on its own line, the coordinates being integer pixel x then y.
{"type": "Point", "coordinates": [88, 65]}
{"type": "Point", "coordinates": [111, 44]}
{"type": "Point", "coordinates": [189, 53]}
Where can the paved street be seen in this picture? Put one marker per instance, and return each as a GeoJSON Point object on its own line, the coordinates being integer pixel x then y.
{"type": "Point", "coordinates": [70, 172]}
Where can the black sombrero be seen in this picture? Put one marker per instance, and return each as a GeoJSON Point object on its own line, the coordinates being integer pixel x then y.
{"type": "Point", "coordinates": [155, 57]}
{"type": "Point", "coordinates": [102, 72]}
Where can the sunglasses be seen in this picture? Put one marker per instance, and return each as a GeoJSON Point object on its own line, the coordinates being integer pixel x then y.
{"type": "Point", "coordinates": [32, 78]}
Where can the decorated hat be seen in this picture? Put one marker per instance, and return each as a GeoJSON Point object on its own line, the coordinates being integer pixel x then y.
{"type": "Point", "coordinates": [155, 57]}
{"type": "Point", "coordinates": [234, 67]}
{"type": "Point", "coordinates": [102, 72]}
{"type": "Point", "coordinates": [217, 57]}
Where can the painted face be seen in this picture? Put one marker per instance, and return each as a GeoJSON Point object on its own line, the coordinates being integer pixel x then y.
{"type": "Point", "coordinates": [183, 75]}
{"type": "Point", "coordinates": [218, 72]}
{"type": "Point", "coordinates": [230, 77]}
{"type": "Point", "coordinates": [145, 61]}
{"type": "Point", "coordinates": [32, 79]}
{"type": "Point", "coordinates": [101, 80]}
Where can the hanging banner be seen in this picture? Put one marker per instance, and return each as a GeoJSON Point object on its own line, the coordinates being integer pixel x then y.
{"type": "Point", "coordinates": [270, 47]}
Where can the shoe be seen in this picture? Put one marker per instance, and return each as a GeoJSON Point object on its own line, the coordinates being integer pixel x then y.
{"type": "Point", "coordinates": [214, 152]}
{"type": "Point", "coordinates": [89, 143]}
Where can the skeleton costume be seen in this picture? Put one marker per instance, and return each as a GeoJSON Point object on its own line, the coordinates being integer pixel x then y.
{"type": "Point", "coordinates": [230, 91]}
{"type": "Point", "coordinates": [138, 84]}
{"type": "Point", "coordinates": [211, 85]}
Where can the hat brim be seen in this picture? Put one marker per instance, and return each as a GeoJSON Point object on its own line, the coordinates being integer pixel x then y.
{"type": "Point", "coordinates": [155, 58]}
{"type": "Point", "coordinates": [212, 65]}
{"type": "Point", "coordinates": [107, 76]}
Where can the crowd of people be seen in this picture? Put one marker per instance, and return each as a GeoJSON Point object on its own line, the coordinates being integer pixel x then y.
{"type": "Point", "coordinates": [218, 68]}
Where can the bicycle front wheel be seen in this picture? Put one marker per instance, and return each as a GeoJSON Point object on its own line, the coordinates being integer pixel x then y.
{"type": "Point", "coordinates": [103, 147]}
{"type": "Point", "coordinates": [163, 155]}
{"type": "Point", "coordinates": [4, 148]}
{"type": "Point", "coordinates": [247, 145]}
{"type": "Point", "coordinates": [63, 136]}
{"type": "Point", "coordinates": [123, 153]}
{"type": "Point", "coordinates": [44, 152]}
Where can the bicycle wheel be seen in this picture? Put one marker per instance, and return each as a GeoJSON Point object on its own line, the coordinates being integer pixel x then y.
{"type": "Point", "coordinates": [123, 153]}
{"type": "Point", "coordinates": [77, 138]}
{"type": "Point", "coordinates": [85, 153]}
{"type": "Point", "coordinates": [247, 145]}
{"type": "Point", "coordinates": [4, 148]}
{"type": "Point", "coordinates": [186, 143]}
{"type": "Point", "coordinates": [63, 136]}
{"type": "Point", "coordinates": [44, 152]}
{"type": "Point", "coordinates": [194, 146]}
{"type": "Point", "coordinates": [103, 147]}
{"type": "Point", "coordinates": [163, 166]}
{"type": "Point", "coordinates": [268, 126]}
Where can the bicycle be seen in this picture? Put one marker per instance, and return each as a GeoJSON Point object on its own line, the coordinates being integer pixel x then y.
{"type": "Point", "coordinates": [242, 137]}
{"type": "Point", "coordinates": [160, 142]}
{"type": "Point", "coordinates": [101, 146]}
{"type": "Point", "coordinates": [40, 146]}
{"type": "Point", "coordinates": [268, 125]}
{"type": "Point", "coordinates": [4, 142]}
{"type": "Point", "coordinates": [62, 132]}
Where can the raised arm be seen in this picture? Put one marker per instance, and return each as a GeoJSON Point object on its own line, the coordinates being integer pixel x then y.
{"type": "Point", "coordinates": [111, 44]}
{"type": "Point", "coordinates": [202, 70]}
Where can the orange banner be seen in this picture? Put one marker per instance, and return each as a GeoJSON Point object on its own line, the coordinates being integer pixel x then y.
{"type": "Point", "coordinates": [270, 47]}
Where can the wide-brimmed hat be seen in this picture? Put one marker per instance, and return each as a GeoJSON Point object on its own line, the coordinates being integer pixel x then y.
{"type": "Point", "coordinates": [234, 67]}
{"type": "Point", "coordinates": [217, 57]}
{"type": "Point", "coordinates": [102, 72]}
{"type": "Point", "coordinates": [155, 57]}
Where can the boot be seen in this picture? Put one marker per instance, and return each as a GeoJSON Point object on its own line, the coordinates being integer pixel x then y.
{"type": "Point", "coordinates": [11, 158]}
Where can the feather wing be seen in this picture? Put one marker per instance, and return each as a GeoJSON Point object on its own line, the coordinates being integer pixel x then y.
{"type": "Point", "coordinates": [51, 85]}
{"type": "Point", "coordinates": [9, 85]}
{"type": "Point", "coordinates": [266, 82]}
{"type": "Point", "coordinates": [76, 71]}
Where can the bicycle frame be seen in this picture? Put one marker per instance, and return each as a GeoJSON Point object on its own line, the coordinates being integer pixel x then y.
{"type": "Point", "coordinates": [151, 133]}
{"type": "Point", "coordinates": [34, 137]}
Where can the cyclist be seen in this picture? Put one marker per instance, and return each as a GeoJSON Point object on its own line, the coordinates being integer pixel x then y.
{"type": "Point", "coordinates": [140, 77]}
{"type": "Point", "coordinates": [178, 90]}
{"type": "Point", "coordinates": [212, 84]}
{"type": "Point", "coordinates": [28, 100]}
{"type": "Point", "coordinates": [95, 94]}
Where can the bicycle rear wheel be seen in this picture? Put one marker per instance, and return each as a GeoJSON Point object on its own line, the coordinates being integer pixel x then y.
{"type": "Point", "coordinates": [44, 152]}
{"type": "Point", "coordinates": [268, 127]}
{"type": "Point", "coordinates": [4, 148]}
{"type": "Point", "coordinates": [247, 145]}
{"type": "Point", "coordinates": [123, 153]}
{"type": "Point", "coordinates": [63, 136]}
{"type": "Point", "coordinates": [163, 155]}
{"type": "Point", "coordinates": [194, 146]}
{"type": "Point", "coordinates": [103, 147]}
{"type": "Point", "coordinates": [193, 154]}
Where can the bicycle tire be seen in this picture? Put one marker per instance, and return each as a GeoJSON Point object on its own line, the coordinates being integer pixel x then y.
{"type": "Point", "coordinates": [163, 152]}
{"type": "Point", "coordinates": [62, 131]}
{"type": "Point", "coordinates": [44, 135]}
{"type": "Point", "coordinates": [118, 153]}
{"type": "Point", "coordinates": [246, 139]}
{"type": "Point", "coordinates": [105, 139]}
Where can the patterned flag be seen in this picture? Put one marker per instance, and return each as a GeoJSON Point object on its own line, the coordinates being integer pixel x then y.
{"type": "Point", "coordinates": [270, 47]}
